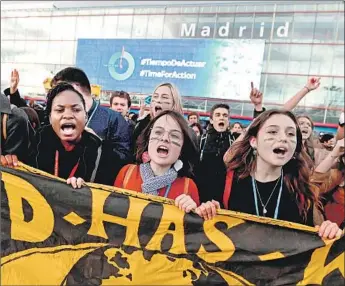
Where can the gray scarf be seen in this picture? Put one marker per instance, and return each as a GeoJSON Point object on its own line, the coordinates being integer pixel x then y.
{"type": "Point", "coordinates": [151, 183]}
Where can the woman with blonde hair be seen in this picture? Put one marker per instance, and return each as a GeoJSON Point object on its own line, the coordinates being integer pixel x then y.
{"type": "Point", "coordinates": [165, 97]}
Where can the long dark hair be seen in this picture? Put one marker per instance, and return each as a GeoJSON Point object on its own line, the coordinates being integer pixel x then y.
{"type": "Point", "coordinates": [296, 171]}
{"type": "Point", "coordinates": [309, 144]}
{"type": "Point", "coordinates": [189, 154]}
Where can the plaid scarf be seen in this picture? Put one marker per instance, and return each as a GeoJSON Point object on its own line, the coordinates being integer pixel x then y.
{"type": "Point", "coordinates": [151, 183]}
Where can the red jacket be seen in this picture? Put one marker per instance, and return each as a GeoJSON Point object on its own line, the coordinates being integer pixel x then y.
{"type": "Point", "coordinates": [129, 178]}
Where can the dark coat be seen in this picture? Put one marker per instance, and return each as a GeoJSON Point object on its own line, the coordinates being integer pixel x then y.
{"type": "Point", "coordinates": [210, 173]}
{"type": "Point", "coordinates": [19, 132]}
{"type": "Point", "coordinates": [95, 163]}
{"type": "Point", "coordinates": [110, 125]}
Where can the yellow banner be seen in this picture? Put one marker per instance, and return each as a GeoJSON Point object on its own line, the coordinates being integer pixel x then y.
{"type": "Point", "coordinates": [55, 235]}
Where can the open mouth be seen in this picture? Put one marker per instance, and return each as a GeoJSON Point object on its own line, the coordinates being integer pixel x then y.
{"type": "Point", "coordinates": [162, 150]}
{"type": "Point", "coordinates": [158, 108]}
{"type": "Point", "coordinates": [280, 151]}
{"type": "Point", "coordinates": [305, 132]}
{"type": "Point", "coordinates": [221, 124]}
{"type": "Point", "coordinates": [68, 128]}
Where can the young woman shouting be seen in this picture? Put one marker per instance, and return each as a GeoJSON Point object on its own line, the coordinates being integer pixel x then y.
{"type": "Point", "coordinates": [172, 156]}
{"type": "Point", "coordinates": [268, 175]}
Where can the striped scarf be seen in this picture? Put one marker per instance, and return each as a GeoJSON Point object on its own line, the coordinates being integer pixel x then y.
{"type": "Point", "coordinates": [151, 183]}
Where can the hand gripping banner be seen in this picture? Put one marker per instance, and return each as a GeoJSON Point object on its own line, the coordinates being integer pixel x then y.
{"type": "Point", "coordinates": [52, 234]}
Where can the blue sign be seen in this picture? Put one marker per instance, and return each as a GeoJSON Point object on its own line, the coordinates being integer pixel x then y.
{"type": "Point", "coordinates": [198, 67]}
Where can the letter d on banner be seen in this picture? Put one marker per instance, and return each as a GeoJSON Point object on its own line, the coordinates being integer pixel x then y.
{"type": "Point", "coordinates": [41, 225]}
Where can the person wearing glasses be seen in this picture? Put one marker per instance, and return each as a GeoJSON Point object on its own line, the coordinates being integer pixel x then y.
{"type": "Point", "coordinates": [165, 97]}
{"type": "Point", "coordinates": [169, 170]}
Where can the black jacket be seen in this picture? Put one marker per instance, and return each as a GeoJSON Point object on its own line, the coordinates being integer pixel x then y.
{"type": "Point", "coordinates": [19, 132]}
{"type": "Point", "coordinates": [18, 101]}
{"type": "Point", "coordinates": [211, 172]}
{"type": "Point", "coordinates": [15, 98]}
{"type": "Point", "coordinates": [95, 163]}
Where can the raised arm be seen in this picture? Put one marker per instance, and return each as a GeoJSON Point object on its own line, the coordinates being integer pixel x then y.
{"type": "Point", "coordinates": [331, 158]}
{"type": "Point", "coordinates": [312, 84]}
{"type": "Point", "coordinates": [13, 92]}
{"type": "Point", "coordinates": [256, 98]}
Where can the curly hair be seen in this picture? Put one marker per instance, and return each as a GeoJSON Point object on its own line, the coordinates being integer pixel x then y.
{"type": "Point", "coordinates": [189, 154]}
{"type": "Point", "coordinates": [60, 87]}
{"type": "Point", "coordinates": [296, 171]}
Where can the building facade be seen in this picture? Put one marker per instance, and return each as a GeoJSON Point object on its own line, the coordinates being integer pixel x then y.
{"type": "Point", "coordinates": [302, 39]}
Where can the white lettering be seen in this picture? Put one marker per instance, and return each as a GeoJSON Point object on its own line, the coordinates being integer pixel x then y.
{"type": "Point", "coordinates": [206, 31]}
{"type": "Point", "coordinates": [224, 30]}
{"type": "Point", "coordinates": [189, 30]}
{"type": "Point", "coordinates": [282, 31]}
{"type": "Point", "coordinates": [185, 32]}
{"type": "Point", "coordinates": [242, 28]}
{"type": "Point", "coordinates": [262, 29]}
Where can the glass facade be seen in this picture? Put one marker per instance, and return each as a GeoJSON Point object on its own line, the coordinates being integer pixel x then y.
{"type": "Point", "coordinates": [302, 40]}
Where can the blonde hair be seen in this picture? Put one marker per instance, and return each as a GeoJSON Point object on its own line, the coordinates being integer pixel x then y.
{"type": "Point", "coordinates": [177, 101]}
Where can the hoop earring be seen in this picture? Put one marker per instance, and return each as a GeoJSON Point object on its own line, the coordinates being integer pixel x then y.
{"type": "Point", "coordinates": [254, 152]}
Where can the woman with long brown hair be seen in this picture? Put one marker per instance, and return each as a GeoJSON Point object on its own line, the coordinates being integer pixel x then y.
{"type": "Point", "coordinates": [172, 155]}
{"type": "Point", "coordinates": [268, 175]}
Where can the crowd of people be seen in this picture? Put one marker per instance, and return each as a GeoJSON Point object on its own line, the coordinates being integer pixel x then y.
{"type": "Point", "coordinates": [275, 167]}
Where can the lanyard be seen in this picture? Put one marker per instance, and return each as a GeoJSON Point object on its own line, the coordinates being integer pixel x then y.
{"type": "Point", "coordinates": [276, 212]}
{"type": "Point", "coordinates": [56, 166]}
{"type": "Point", "coordinates": [92, 114]}
{"type": "Point", "coordinates": [167, 191]}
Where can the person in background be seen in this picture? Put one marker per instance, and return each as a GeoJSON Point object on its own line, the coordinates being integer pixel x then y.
{"type": "Point", "coordinates": [267, 176]}
{"type": "Point", "coordinates": [65, 149]}
{"type": "Point", "coordinates": [193, 117]}
{"type": "Point", "coordinates": [120, 101]}
{"type": "Point", "coordinates": [165, 97]}
{"type": "Point", "coordinates": [210, 172]}
{"type": "Point", "coordinates": [18, 101]}
{"type": "Point", "coordinates": [172, 156]}
{"type": "Point", "coordinates": [13, 92]}
{"type": "Point", "coordinates": [33, 117]}
{"type": "Point", "coordinates": [341, 124]}
{"type": "Point", "coordinates": [106, 123]}
{"type": "Point", "coordinates": [306, 124]}
{"type": "Point", "coordinates": [16, 134]}
{"type": "Point", "coordinates": [327, 141]}
{"type": "Point", "coordinates": [329, 177]}
{"type": "Point", "coordinates": [197, 129]}
{"type": "Point", "coordinates": [133, 116]}
{"type": "Point", "coordinates": [237, 128]}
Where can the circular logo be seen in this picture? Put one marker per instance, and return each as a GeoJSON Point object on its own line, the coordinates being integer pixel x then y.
{"type": "Point", "coordinates": [115, 65]}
